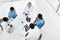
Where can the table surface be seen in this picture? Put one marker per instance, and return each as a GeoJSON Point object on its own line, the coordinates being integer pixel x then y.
{"type": "Point", "coordinates": [19, 31]}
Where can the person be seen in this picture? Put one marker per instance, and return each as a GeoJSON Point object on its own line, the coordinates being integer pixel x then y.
{"type": "Point", "coordinates": [28, 9]}
{"type": "Point", "coordinates": [4, 19]}
{"type": "Point", "coordinates": [30, 34]}
{"type": "Point", "coordinates": [12, 13]}
{"type": "Point", "coordinates": [39, 22]}
{"type": "Point", "coordinates": [5, 22]}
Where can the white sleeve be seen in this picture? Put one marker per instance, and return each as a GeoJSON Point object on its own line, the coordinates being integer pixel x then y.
{"type": "Point", "coordinates": [11, 19]}
{"type": "Point", "coordinates": [32, 9]}
{"type": "Point", "coordinates": [25, 10]}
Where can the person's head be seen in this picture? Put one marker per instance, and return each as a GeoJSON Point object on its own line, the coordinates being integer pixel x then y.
{"type": "Point", "coordinates": [12, 9]}
{"type": "Point", "coordinates": [10, 25]}
{"type": "Point", "coordinates": [32, 26]}
{"type": "Point", "coordinates": [5, 19]}
{"type": "Point", "coordinates": [40, 16]}
{"type": "Point", "coordinates": [29, 4]}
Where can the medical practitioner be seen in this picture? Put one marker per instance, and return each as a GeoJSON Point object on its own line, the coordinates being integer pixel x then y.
{"type": "Point", "coordinates": [5, 22]}
{"type": "Point", "coordinates": [28, 9]}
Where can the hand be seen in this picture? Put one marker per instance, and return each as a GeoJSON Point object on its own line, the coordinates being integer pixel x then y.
{"type": "Point", "coordinates": [26, 14]}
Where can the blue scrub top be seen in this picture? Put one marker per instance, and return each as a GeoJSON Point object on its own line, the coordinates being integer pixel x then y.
{"type": "Point", "coordinates": [12, 14]}
{"type": "Point", "coordinates": [39, 23]}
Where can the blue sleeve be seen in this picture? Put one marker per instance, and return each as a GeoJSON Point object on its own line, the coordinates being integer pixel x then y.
{"type": "Point", "coordinates": [14, 15]}
{"type": "Point", "coordinates": [39, 23]}
{"type": "Point", "coordinates": [9, 15]}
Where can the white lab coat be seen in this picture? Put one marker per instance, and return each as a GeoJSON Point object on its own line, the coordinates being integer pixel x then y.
{"type": "Point", "coordinates": [4, 25]}
{"type": "Point", "coordinates": [28, 10]}
{"type": "Point", "coordinates": [33, 34]}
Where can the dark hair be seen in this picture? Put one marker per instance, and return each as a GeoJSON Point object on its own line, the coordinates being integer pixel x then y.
{"type": "Point", "coordinates": [40, 16]}
{"type": "Point", "coordinates": [29, 2]}
{"type": "Point", "coordinates": [5, 19]}
{"type": "Point", "coordinates": [32, 26]}
{"type": "Point", "coordinates": [11, 8]}
{"type": "Point", "coordinates": [10, 25]}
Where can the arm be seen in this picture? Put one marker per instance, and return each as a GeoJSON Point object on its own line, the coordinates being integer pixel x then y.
{"type": "Point", "coordinates": [14, 15]}
{"type": "Point", "coordinates": [9, 15]}
{"type": "Point", "coordinates": [35, 19]}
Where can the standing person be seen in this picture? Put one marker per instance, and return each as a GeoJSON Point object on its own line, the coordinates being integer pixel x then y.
{"type": "Point", "coordinates": [28, 9]}
{"type": "Point", "coordinates": [12, 13]}
{"type": "Point", "coordinates": [39, 22]}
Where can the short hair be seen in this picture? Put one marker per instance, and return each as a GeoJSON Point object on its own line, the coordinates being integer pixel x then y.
{"type": "Point", "coordinates": [29, 3]}
{"type": "Point", "coordinates": [5, 19]}
{"type": "Point", "coordinates": [31, 25]}
{"type": "Point", "coordinates": [11, 8]}
{"type": "Point", "coordinates": [40, 16]}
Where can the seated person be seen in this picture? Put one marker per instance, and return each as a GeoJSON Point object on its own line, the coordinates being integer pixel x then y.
{"type": "Point", "coordinates": [5, 19]}
{"type": "Point", "coordinates": [12, 13]}
{"type": "Point", "coordinates": [39, 22]}
{"type": "Point", "coordinates": [28, 9]}
{"type": "Point", "coordinates": [33, 33]}
{"type": "Point", "coordinates": [5, 22]}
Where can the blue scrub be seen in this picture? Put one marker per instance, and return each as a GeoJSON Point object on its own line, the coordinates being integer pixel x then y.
{"type": "Point", "coordinates": [12, 14]}
{"type": "Point", "coordinates": [39, 23]}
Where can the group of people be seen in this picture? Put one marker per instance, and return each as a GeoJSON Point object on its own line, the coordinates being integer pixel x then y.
{"type": "Point", "coordinates": [33, 30]}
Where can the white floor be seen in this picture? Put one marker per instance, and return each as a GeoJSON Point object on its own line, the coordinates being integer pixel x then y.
{"type": "Point", "coordinates": [51, 29]}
